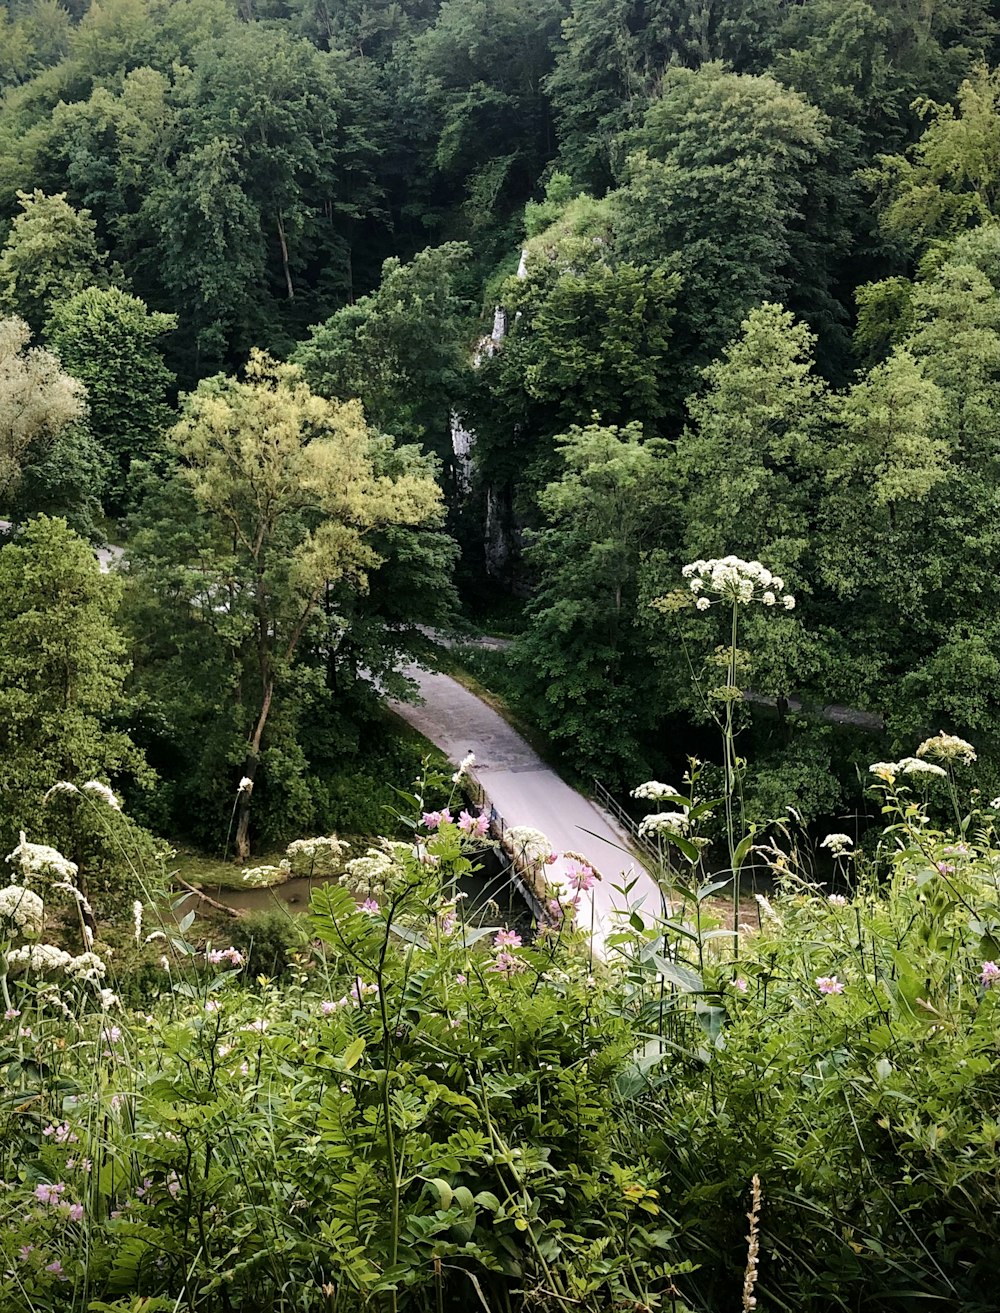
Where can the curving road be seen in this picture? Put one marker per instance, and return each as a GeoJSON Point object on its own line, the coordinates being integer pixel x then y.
{"type": "Point", "coordinates": [527, 792]}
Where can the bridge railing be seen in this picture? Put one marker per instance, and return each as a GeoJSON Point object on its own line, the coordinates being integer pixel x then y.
{"type": "Point", "coordinates": [499, 829]}
{"type": "Point", "coordinates": [628, 824]}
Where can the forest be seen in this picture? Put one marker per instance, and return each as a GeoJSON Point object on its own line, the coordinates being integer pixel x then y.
{"type": "Point", "coordinates": [660, 338]}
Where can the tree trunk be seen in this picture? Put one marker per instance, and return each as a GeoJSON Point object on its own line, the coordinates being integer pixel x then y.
{"type": "Point", "coordinates": [250, 763]}
{"type": "Point", "coordinates": [284, 258]}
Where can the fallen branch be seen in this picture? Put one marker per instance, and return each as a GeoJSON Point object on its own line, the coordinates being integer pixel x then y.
{"type": "Point", "coordinates": [237, 912]}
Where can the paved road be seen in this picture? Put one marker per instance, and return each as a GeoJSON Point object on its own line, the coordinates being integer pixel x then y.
{"type": "Point", "coordinates": [527, 792]}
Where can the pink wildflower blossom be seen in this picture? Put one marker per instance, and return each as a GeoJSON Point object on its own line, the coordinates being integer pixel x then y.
{"type": "Point", "coordinates": [56, 1268]}
{"type": "Point", "coordinates": [370, 905]}
{"type": "Point", "coordinates": [76, 1212]}
{"type": "Point", "coordinates": [461, 978]}
{"type": "Point", "coordinates": [230, 954]}
{"type": "Point", "coordinates": [434, 820]}
{"type": "Point", "coordinates": [474, 825]}
{"type": "Point", "coordinates": [173, 1185]}
{"type": "Point", "coordinates": [48, 1194]}
{"type": "Point", "coordinates": [327, 1006]}
{"type": "Point", "coordinates": [506, 939]}
{"type": "Point", "coordinates": [11, 1014]}
{"type": "Point", "coordinates": [506, 964]}
{"type": "Point", "coordinates": [829, 985]}
{"type": "Point", "coordinates": [740, 984]}
{"type": "Point", "coordinates": [579, 876]}
{"type": "Point", "coordinates": [990, 974]}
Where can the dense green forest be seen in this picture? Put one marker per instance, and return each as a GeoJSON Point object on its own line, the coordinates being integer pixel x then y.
{"type": "Point", "coordinates": [757, 311]}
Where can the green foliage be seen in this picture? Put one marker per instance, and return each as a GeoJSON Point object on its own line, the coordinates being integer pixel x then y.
{"type": "Point", "coordinates": [50, 253]}
{"type": "Point", "coordinates": [403, 351]}
{"type": "Point", "coordinates": [62, 716]}
{"type": "Point", "coordinates": [108, 340]}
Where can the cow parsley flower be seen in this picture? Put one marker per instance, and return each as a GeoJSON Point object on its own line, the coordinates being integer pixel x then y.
{"type": "Point", "coordinates": [654, 791]}
{"type": "Point", "coordinates": [732, 579]}
{"type": "Point", "coordinates": [38, 859]}
{"type": "Point", "coordinates": [884, 770]}
{"type": "Point", "coordinates": [87, 967]}
{"type": "Point", "coordinates": [838, 844]}
{"type": "Point", "coordinates": [917, 766]}
{"type": "Point", "coordinates": [664, 823]}
{"type": "Point", "coordinates": [39, 959]}
{"type": "Point", "coordinates": [21, 911]}
{"type": "Point", "coordinates": [947, 747]}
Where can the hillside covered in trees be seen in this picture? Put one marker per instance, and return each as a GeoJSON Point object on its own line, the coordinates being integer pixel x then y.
{"type": "Point", "coordinates": [748, 256]}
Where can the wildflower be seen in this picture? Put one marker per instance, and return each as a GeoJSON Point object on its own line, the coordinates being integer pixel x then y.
{"type": "Point", "coordinates": [76, 1212]}
{"type": "Point", "coordinates": [359, 989]}
{"type": "Point", "coordinates": [40, 859]}
{"type": "Point", "coordinates": [245, 785]}
{"type": "Point", "coordinates": [654, 791]}
{"type": "Point", "coordinates": [838, 844]}
{"type": "Point", "coordinates": [506, 939]}
{"type": "Point", "coordinates": [506, 964]}
{"type": "Point", "coordinates": [664, 823]}
{"type": "Point", "coordinates": [25, 1252]}
{"type": "Point", "coordinates": [259, 1025]}
{"type": "Point", "coordinates": [165, 963]}
{"type": "Point", "coordinates": [87, 967]}
{"type": "Point", "coordinates": [173, 1185]}
{"type": "Point", "coordinates": [735, 580]}
{"type": "Point", "coordinates": [884, 770]}
{"type": "Point", "coordinates": [21, 910]}
{"type": "Point", "coordinates": [829, 985]}
{"type": "Point", "coordinates": [448, 922]}
{"type": "Point", "coordinates": [39, 958]}
{"type": "Point", "coordinates": [224, 1050]}
{"type": "Point", "coordinates": [109, 999]}
{"type": "Point", "coordinates": [104, 793]}
{"type": "Point", "coordinates": [464, 768]}
{"type": "Point", "coordinates": [528, 843]}
{"type": "Point", "coordinates": [370, 905]}
{"type": "Point", "coordinates": [551, 859]}
{"type": "Point", "coordinates": [218, 955]}
{"type": "Point", "coordinates": [948, 747]}
{"type": "Point", "coordinates": [474, 825]}
{"type": "Point", "coordinates": [740, 984]}
{"type": "Point", "coordinates": [212, 1005]}
{"type": "Point", "coordinates": [434, 820]}
{"type": "Point", "coordinates": [989, 975]}
{"type": "Point", "coordinates": [917, 766]}
{"type": "Point", "coordinates": [11, 1014]}
{"type": "Point", "coordinates": [56, 1268]}
{"type": "Point", "coordinates": [766, 910]}
{"type": "Point", "coordinates": [580, 877]}
{"type": "Point", "coordinates": [49, 1194]}
{"type": "Point", "coordinates": [461, 978]}
{"type": "Point", "coordinates": [837, 900]}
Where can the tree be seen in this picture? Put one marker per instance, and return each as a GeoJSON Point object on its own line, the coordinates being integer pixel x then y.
{"type": "Point", "coordinates": [38, 403]}
{"type": "Point", "coordinates": [50, 253]}
{"type": "Point", "coordinates": [403, 350]}
{"type": "Point", "coordinates": [62, 669]}
{"type": "Point", "coordinates": [282, 505]}
{"type": "Point", "coordinates": [109, 340]}
{"type": "Point", "coordinates": [950, 181]}
{"type": "Point", "coordinates": [583, 653]}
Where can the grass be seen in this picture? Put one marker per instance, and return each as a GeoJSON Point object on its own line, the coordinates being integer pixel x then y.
{"type": "Point", "coordinates": [206, 872]}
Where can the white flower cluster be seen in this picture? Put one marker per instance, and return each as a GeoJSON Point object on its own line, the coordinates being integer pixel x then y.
{"type": "Point", "coordinates": [261, 877]}
{"type": "Point", "coordinates": [36, 859]}
{"type": "Point", "coordinates": [654, 791]}
{"type": "Point", "coordinates": [888, 770]}
{"type": "Point", "coordinates": [948, 747]}
{"type": "Point", "coordinates": [732, 579]}
{"type": "Point", "coordinates": [527, 842]}
{"type": "Point", "coordinates": [664, 823]}
{"type": "Point", "coordinates": [464, 768]}
{"type": "Point", "coordinates": [321, 856]}
{"type": "Point", "coordinates": [371, 875]}
{"type": "Point", "coordinates": [88, 966]}
{"type": "Point", "coordinates": [21, 911]}
{"type": "Point", "coordinates": [40, 958]}
{"type": "Point", "coordinates": [838, 844]}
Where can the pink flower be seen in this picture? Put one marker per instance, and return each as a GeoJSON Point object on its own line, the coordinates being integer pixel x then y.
{"type": "Point", "coordinates": [25, 1252]}
{"type": "Point", "coordinates": [990, 974]}
{"type": "Point", "coordinates": [551, 859]}
{"type": "Point", "coordinates": [461, 978]}
{"type": "Point", "coordinates": [48, 1194]}
{"type": "Point", "coordinates": [434, 820]}
{"type": "Point", "coordinates": [829, 985]}
{"type": "Point", "coordinates": [740, 984]}
{"type": "Point", "coordinates": [326, 1007]}
{"type": "Point", "coordinates": [173, 1185]}
{"type": "Point", "coordinates": [56, 1268]}
{"type": "Point", "coordinates": [11, 1014]}
{"type": "Point", "coordinates": [506, 939]}
{"type": "Point", "coordinates": [25, 1032]}
{"type": "Point", "coordinates": [506, 964]}
{"type": "Point", "coordinates": [230, 954]}
{"type": "Point", "coordinates": [579, 876]}
{"type": "Point", "coordinates": [212, 1005]}
{"type": "Point", "coordinates": [76, 1212]}
{"type": "Point", "coordinates": [370, 905]}
{"type": "Point", "coordinates": [474, 825]}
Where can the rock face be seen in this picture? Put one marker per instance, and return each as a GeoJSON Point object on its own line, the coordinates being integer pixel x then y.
{"type": "Point", "coordinates": [501, 536]}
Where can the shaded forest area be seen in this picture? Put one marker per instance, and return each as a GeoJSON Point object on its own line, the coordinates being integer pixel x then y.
{"type": "Point", "coordinates": [759, 313]}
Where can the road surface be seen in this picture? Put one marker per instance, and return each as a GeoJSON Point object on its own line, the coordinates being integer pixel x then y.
{"type": "Point", "coordinates": [527, 792]}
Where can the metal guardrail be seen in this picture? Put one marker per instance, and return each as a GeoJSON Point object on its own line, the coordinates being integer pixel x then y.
{"type": "Point", "coordinates": [630, 826]}
{"type": "Point", "coordinates": [499, 827]}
